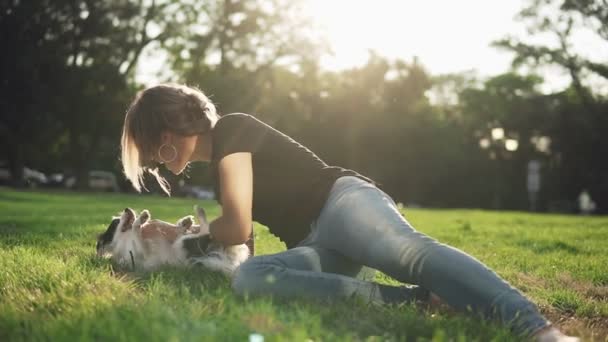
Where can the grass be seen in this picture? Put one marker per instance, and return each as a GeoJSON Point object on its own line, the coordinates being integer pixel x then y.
{"type": "Point", "coordinates": [52, 287]}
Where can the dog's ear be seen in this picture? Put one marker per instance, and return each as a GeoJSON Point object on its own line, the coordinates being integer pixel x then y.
{"type": "Point", "coordinates": [107, 236]}
{"type": "Point", "coordinates": [126, 219]}
{"type": "Point", "coordinates": [104, 239]}
{"type": "Point", "coordinates": [202, 216]}
{"type": "Point", "coordinates": [144, 216]}
{"type": "Point", "coordinates": [185, 222]}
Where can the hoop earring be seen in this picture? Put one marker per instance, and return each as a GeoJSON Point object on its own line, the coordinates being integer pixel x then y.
{"type": "Point", "coordinates": [160, 157]}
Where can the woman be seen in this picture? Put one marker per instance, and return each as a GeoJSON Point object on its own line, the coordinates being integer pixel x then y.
{"type": "Point", "coordinates": [334, 221]}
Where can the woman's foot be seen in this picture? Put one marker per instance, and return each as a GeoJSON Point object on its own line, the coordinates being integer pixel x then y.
{"type": "Point", "coordinates": [431, 300]}
{"type": "Point", "coordinates": [552, 334]}
{"type": "Point", "coordinates": [435, 301]}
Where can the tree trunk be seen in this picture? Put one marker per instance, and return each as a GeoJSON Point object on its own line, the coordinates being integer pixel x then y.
{"type": "Point", "coordinates": [223, 38]}
{"type": "Point", "coordinates": [15, 165]}
{"type": "Point", "coordinates": [14, 154]}
{"type": "Point", "coordinates": [77, 160]}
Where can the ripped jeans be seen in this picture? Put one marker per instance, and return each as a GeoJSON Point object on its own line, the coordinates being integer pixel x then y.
{"type": "Point", "coordinates": [360, 228]}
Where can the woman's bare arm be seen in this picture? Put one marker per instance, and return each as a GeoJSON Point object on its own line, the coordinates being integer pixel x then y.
{"type": "Point", "coordinates": [233, 227]}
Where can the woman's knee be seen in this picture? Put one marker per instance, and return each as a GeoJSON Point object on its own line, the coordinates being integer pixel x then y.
{"type": "Point", "coordinates": [252, 276]}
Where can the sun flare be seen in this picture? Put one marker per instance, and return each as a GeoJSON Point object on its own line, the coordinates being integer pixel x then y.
{"type": "Point", "coordinates": [447, 36]}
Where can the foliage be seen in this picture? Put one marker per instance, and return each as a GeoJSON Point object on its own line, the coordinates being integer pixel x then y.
{"type": "Point", "coordinates": [577, 115]}
{"type": "Point", "coordinates": [69, 75]}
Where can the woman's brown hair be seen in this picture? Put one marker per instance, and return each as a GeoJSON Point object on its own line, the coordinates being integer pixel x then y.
{"type": "Point", "coordinates": [170, 107]}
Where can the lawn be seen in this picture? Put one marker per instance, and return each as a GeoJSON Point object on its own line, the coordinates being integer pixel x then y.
{"type": "Point", "coordinates": [52, 287]}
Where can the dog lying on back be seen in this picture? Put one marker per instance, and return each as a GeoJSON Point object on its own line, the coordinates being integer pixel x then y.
{"type": "Point", "coordinates": [141, 243]}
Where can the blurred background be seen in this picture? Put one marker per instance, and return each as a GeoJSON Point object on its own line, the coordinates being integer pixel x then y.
{"type": "Point", "coordinates": [480, 104]}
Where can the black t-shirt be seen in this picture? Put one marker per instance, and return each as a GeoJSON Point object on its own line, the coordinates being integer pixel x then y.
{"type": "Point", "coordinates": [290, 183]}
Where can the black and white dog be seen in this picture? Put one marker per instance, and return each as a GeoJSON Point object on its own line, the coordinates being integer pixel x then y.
{"type": "Point", "coordinates": [139, 242]}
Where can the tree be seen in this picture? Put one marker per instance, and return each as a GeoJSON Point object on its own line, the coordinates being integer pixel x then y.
{"type": "Point", "coordinates": [233, 45]}
{"type": "Point", "coordinates": [580, 113]}
{"type": "Point", "coordinates": [561, 19]}
{"type": "Point", "coordinates": [27, 31]}
{"type": "Point", "coordinates": [70, 66]}
{"type": "Point", "coordinates": [503, 118]}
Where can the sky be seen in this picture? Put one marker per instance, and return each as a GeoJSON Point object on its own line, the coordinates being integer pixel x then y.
{"type": "Point", "coordinates": [447, 36]}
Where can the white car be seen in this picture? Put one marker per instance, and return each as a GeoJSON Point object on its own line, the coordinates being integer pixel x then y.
{"type": "Point", "coordinates": [32, 178]}
{"type": "Point", "coordinates": [98, 180]}
{"type": "Point", "coordinates": [195, 191]}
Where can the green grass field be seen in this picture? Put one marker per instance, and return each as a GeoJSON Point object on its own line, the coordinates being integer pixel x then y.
{"type": "Point", "coordinates": [52, 287]}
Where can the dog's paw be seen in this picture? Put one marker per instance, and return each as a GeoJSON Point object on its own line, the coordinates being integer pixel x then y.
{"type": "Point", "coordinates": [185, 224]}
{"type": "Point", "coordinates": [202, 216]}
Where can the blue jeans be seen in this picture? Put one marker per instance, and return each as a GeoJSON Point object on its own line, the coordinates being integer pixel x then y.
{"type": "Point", "coordinates": [360, 226]}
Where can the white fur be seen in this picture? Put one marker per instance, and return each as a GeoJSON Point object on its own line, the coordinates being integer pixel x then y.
{"type": "Point", "coordinates": [219, 258]}
{"type": "Point", "coordinates": [223, 259]}
{"type": "Point", "coordinates": [129, 249]}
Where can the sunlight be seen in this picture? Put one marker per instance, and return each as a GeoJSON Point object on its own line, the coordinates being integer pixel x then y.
{"type": "Point", "coordinates": [448, 36]}
{"type": "Point", "coordinates": [498, 133]}
{"type": "Point", "coordinates": [511, 145]}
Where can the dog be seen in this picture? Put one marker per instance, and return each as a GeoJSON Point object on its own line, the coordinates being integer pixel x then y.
{"type": "Point", "coordinates": [141, 243]}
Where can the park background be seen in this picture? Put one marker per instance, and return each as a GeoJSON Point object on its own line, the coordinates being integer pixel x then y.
{"type": "Point", "coordinates": [449, 138]}
{"type": "Point", "coordinates": [474, 104]}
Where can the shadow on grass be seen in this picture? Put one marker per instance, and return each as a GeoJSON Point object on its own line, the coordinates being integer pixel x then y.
{"type": "Point", "coordinates": [545, 246]}
{"type": "Point", "coordinates": [196, 304]}
{"type": "Point", "coordinates": [195, 280]}
{"type": "Point", "coordinates": [341, 318]}
{"type": "Point", "coordinates": [11, 236]}
{"type": "Point", "coordinates": [151, 319]}
{"type": "Point", "coordinates": [19, 197]}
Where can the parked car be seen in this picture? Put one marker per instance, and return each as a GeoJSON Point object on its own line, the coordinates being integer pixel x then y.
{"type": "Point", "coordinates": [195, 191]}
{"type": "Point", "coordinates": [98, 180]}
{"type": "Point", "coordinates": [32, 178]}
{"type": "Point", "coordinates": [56, 180]}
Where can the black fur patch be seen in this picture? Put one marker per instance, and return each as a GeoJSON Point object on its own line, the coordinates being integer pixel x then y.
{"type": "Point", "coordinates": [197, 246]}
{"type": "Point", "coordinates": [108, 235]}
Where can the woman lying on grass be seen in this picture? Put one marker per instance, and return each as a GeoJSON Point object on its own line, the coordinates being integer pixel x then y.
{"type": "Point", "coordinates": [334, 221]}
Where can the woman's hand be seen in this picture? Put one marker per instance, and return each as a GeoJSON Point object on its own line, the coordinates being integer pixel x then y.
{"type": "Point", "coordinates": [236, 188]}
